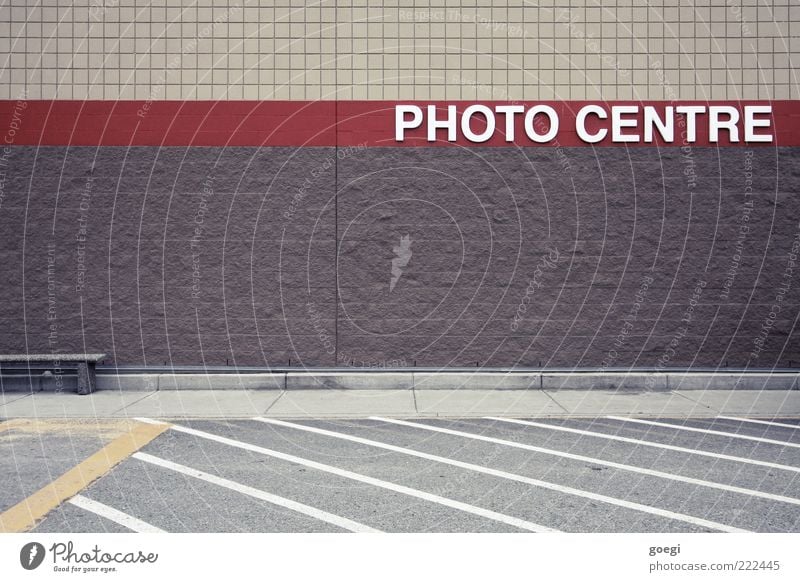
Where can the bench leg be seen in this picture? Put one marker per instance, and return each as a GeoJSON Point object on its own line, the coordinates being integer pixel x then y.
{"type": "Point", "coordinates": [86, 378]}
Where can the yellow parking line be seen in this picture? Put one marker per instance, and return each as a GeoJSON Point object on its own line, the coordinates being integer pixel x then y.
{"type": "Point", "coordinates": [12, 424]}
{"type": "Point", "coordinates": [25, 514]}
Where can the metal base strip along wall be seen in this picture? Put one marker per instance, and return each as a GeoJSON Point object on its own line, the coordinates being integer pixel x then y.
{"type": "Point", "coordinates": [304, 234]}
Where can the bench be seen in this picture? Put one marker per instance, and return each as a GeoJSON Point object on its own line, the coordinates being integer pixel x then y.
{"type": "Point", "coordinates": [84, 363]}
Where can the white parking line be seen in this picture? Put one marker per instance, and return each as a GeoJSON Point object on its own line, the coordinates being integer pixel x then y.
{"type": "Point", "coordinates": [465, 507]}
{"type": "Point", "coordinates": [596, 461]}
{"type": "Point", "coordinates": [513, 477]}
{"type": "Point", "coordinates": [258, 494]}
{"type": "Point", "coordinates": [602, 435]}
{"type": "Point", "coordinates": [767, 422]}
{"type": "Point", "coordinates": [115, 515]}
{"type": "Point", "coordinates": [704, 431]}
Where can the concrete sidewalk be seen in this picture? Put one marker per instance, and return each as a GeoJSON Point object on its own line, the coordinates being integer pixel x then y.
{"type": "Point", "coordinates": [400, 403]}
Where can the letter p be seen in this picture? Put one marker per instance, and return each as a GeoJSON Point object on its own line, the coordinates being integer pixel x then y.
{"type": "Point", "coordinates": [401, 123]}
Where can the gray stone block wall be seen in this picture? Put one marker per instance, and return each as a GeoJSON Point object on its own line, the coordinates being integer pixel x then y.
{"type": "Point", "coordinates": [207, 255]}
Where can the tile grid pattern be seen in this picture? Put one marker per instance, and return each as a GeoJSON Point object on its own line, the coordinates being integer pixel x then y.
{"type": "Point", "coordinates": [405, 49]}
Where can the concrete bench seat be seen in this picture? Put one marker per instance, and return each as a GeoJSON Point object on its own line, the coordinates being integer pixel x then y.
{"type": "Point", "coordinates": [55, 363]}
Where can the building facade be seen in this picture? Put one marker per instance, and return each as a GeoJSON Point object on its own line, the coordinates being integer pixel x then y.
{"type": "Point", "coordinates": [212, 184]}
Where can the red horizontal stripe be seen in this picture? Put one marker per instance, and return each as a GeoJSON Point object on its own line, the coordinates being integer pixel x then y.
{"type": "Point", "coordinates": [304, 123]}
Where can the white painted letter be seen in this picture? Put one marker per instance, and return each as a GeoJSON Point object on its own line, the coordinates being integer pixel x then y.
{"type": "Point", "coordinates": [449, 124]}
{"type": "Point", "coordinates": [529, 119]}
{"type": "Point", "coordinates": [750, 123]}
{"type": "Point", "coordinates": [467, 117]}
{"type": "Point", "coordinates": [509, 111]}
{"type": "Point", "coordinates": [666, 127]}
{"type": "Point", "coordinates": [715, 123]}
{"type": "Point", "coordinates": [617, 123]}
{"type": "Point", "coordinates": [400, 123]}
{"type": "Point", "coordinates": [580, 122]}
{"type": "Point", "coordinates": [691, 112]}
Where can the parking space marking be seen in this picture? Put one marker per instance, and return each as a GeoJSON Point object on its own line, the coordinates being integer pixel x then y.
{"type": "Point", "coordinates": [732, 435]}
{"type": "Point", "coordinates": [602, 435]}
{"type": "Point", "coordinates": [25, 514]}
{"type": "Point", "coordinates": [767, 422]}
{"type": "Point", "coordinates": [596, 461]}
{"type": "Point", "coordinates": [114, 515]}
{"type": "Point", "coordinates": [318, 514]}
{"type": "Point", "coordinates": [451, 503]}
{"type": "Point", "coordinates": [514, 477]}
{"type": "Point", "coordinates": [11, 424]}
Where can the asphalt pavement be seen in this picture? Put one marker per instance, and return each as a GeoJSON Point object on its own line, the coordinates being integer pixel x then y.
{"type": "Point", "coordinates": [613, 472]}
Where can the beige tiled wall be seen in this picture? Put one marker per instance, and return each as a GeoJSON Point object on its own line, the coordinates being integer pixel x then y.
{"type": "Point", "coordinates": [403, 49]}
